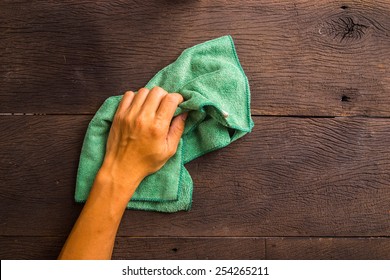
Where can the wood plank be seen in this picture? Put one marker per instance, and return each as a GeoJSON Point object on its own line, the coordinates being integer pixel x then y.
{"type": "Point", "coordinates": [33, 247]}
{"type": "Point", "coordinates": [29, 247]}
{"type": "Point", "coordinates": [289, 177]}
{"type": "Point", "coordinates": [328, 248]}
{"type": "Point", "coordinates": [322, 58]}
{"type": "Point", "coordinates": [189, 248]}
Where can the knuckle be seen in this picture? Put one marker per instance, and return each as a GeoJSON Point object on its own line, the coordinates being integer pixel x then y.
{"type": "Point", "coordinates": [143, 89]}
{"type": "Point", "coordinates": [178, 97]}
{"type": "Point", "coordinates": [139, 121]}
{"type": "Point", "coordinates": [160, 92]}
{"type": "Point", "coordinates": [159, 89]}
{"type": "Point", "coordinates": [156, 130]}
{"type": "Point", "coordinates": [171, 99]}
{"type": "Point", "coordinates": [129, 93]}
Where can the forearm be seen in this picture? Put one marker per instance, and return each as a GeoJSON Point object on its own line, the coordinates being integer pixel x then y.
{"type": "Point", "coordinates": [94, 233]}
{"type": "Point", "coordinates": [143, 136]}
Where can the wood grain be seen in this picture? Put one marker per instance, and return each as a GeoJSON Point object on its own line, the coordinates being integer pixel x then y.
{"type": "Point", "coordinates": [322, 58]}
{"type": "Point", "coordinates": [28, 247]}
{"type": "Point", "coordinates": [189, 248]}
{"type": "Point", "coordinates": [328, 248]}
{"type": "Point", "coordinates": [298, 187]}
{"type": "Point", "coordinates": [289, 177]}
{"type": "Point", "coordinates": [133, 248]}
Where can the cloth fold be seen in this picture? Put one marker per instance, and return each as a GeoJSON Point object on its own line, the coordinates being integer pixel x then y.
{"type": "Point", "coordinates": [216, 95]}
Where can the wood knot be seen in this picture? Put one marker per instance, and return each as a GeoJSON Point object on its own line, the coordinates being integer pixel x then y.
{"type": "Point", "coordinates": [344, 28]}
{"type": "Point", "coordinates": [348, 95]}
{"type": "Point", "coordinates": [345, 98]}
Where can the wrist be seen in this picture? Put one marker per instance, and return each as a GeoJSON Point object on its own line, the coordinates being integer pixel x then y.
{"type": "Point", "coordinates": [121, 185]}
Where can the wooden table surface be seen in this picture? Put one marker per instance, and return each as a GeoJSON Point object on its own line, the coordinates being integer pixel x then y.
{"type": "Point", "coordinates": [312, 181]}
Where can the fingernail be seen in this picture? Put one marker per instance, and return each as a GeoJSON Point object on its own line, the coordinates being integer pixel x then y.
{"type": "Point", "coordinates": [184, 116]}
{"type": "Point", "coordinates": [225, 114]}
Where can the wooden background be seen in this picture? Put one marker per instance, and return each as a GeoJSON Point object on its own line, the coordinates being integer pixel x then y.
{"type": "Point", "coordinates": [313, 179]}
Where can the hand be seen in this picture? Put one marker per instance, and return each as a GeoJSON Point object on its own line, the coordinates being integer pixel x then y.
{"type": "Point", "coordinates": [142, 137]}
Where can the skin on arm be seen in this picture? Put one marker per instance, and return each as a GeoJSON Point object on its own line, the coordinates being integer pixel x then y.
{"type": "Point", "coordinates": [142, 138]}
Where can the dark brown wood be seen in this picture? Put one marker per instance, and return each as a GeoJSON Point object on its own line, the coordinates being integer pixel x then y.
{"type": "Point", "coordinates": [328, 248]}
{"type": "Point", "coordinates": [289, 177]}
{"type": "Point", "coordinates": [30, 247]}
{"type": "Point", "coordinates": [189, 248]}
{"type": "Point", "coordinates": [322, 58]}
{"type": "Point", "coordinates": [17, 247]}
{"type": "Point", "coordinates": [292, 177]}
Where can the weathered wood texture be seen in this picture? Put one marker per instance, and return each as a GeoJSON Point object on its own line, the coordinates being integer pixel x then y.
{"type": "Point", "coordinates": [189, 248]}
{"type": "Point", "coordinates": [322, 58]}
{"type": "Point", "coordinates": [292, 177]}
{"type": "Point", "coordinates": [28, 247]}
{"type": "Point", "coordinates": [328, 248]}
{"type": "Point", "coordinates": [289, 177]}
{"type": "Point", "coordinates": [17, 247]}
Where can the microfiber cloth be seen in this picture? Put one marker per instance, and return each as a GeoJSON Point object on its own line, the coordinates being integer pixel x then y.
{"type": "Point", "coordinates": [217, 98]}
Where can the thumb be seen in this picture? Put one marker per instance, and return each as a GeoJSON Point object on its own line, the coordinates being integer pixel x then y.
{"type": "Point", "coordinates": [176, 131]}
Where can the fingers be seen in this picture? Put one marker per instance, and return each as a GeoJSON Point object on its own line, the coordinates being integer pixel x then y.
{"type": "Point", "coordinates": [175, 132]}
{"type": "Point", "coordinates": [167, 108]}
{"type": "Point", "coordinates": [156, 105]}
{"type": "Point", "coordinates": [139, 100]}
{"type": "Point", "coordinates": [153, 100]}
{"type": "Point", "coordinates": [125, 102]}
{"type": "Point", "coordinates": [147, 117]}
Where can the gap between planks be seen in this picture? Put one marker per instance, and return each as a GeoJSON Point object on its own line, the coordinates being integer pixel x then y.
{"type": "Point", "coordinates": [253, 115]}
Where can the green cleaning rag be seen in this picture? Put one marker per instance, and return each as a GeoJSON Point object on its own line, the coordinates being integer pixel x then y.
{"type": "Point", "coordinates": [216, 95]}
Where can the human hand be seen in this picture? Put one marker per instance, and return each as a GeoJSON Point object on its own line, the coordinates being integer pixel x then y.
{"type": "Point", "coordinates": [142, 137]}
